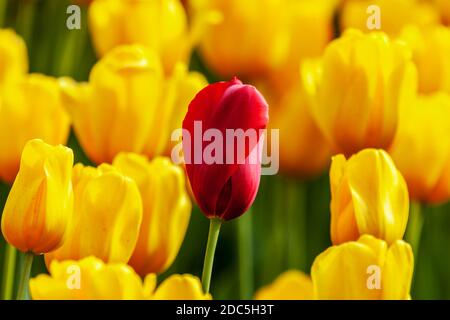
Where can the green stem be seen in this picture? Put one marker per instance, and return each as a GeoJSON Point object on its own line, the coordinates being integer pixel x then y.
{"type": "Point", "coordinates": [245, 249]}
{"type": "Point", "coordinates": [415, 224]}
{"type": "Point", "coordinates": [22, 292]}
{"type": "Point", "coordinates": [9, 267]}
{"type": "Point", "coordinates": [3, 10]}
{"type": "Point", "coordinates": [214, 229]}
{"type": "Point", "coordinates": [296, 226]}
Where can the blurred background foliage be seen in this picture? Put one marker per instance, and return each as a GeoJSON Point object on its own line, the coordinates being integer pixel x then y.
{"type": "Point", "coordinates": [290, 220]}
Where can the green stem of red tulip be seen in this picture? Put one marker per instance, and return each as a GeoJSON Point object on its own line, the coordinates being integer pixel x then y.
{"type": "Point", "coordinates": [22, 292]}
{"type": "Point", "coordinates": [415, 224]}
{"type": "Point", "coordinates": [9, 267]}
{"type": "Point", "coordinates": [245, 249]}
{"type": "Point", "coordinates": [214, 229]}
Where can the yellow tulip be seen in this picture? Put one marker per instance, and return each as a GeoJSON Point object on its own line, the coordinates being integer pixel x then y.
{"type": "Point", "coordinates": [305, 151]}
{"type": "Point", "coordinates": [13, 57]}
{"type": "Point", "coordinates": [250, 39]}
{"type": "Point", "coordinates": [368, 196]}
{"type": "Point", "coordinates": [40, 203]}
{"type": "Point", "coordinates": [158, 24]}
{"type": "Point", "coordinates": [116, 110]}
{"type": "Point", "coordinates": [167, 209]}
{"type": "Point", "coordinates": [107, 216]}
{"type": "Point", "coordinates": [421, 149]}
{"type": "Point", "coordinates": [91, 279]}
{"type": "Point", "coordinates": [290, 285]}
{"type": "Point", "coordinates": [179, 90]}
{"type": "Point", "coordinates": [431, 54]}
{"type": "Point", "coordinates": [366, 269]}
{"type": "Point", "coordinates": [29, 109]}
{"type": "Point", "coordinates": [357, 92]}
{"type": "Point", "coordinates": [394, 14]}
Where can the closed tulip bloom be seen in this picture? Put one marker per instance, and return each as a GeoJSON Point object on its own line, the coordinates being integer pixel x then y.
{"type": "Point", "coordinates": [431, 54]}
{"type": "Point", "coordinates": [179, 89]}
{"type": "Point", "coordinates": [116, 110]}
{"type": "Point", "coordinates": [304, 152]}
{"type": "Point", "coordinates": [160, 25]}
{"type": "Point", "coordinates": [367, 269]}
{"type": "Point", "coordinates": [13, 57]}
{"type": "Point", "coordinates": [92, 279]}
{"type": "Point", "coordinates": [40, 203]}
{"type": "Point", "coordinates": [226, 179]}
{"type": "Point", "coordinates": [368, 196]}
{"type": "Point", "coordinates": [394, 14]}
{"type": "Point", "coordinates": [251, 38]}
{"type": "Point", "coordinates": [421, 149]}
{"type": "Point", "coordinates": [166, 210]}
{"type": "Point", "coordinates": [29, 109]}
{"type": "Point", "coordinates": [363, 81]}
{"type": "Point", "coordinates": [290, 285]}
{"type": "Point", "coordinates": [107, 216]}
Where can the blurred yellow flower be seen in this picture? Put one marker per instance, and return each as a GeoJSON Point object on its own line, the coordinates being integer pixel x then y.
{"type": "Point", "coordinates": [357, 91]}
{"type": "Point", "coordinates": [179, 90]}
{"type": "Point", "coordinates": [116, 110]}
{"type": "Point", "coordinates": [91, 279]}
{"type": "Point", "coordinates": [29, 109]}
{"type": "Point", "coordinates": [394, 14]}
{"type": "Point", "coordinates": [13, 57]}
{"type": "Point", "coordinates": [421, 149]}
{"type": "Point", "coordinates": [159, 24]}
{"type": "Point", "coordinates": [368, 196]}
{"type": "Point", "coordinates": [40, 203]}
{"type": "Point", "coordinates": [290, 285]}
{"type": "Point", "coordinates": [303, 149]}
{"type": "Point", "coordinates": [444, 8]}
{"type": "Point", "coordinates": [107, 216]}
{"type": "Point", "coordinates": [250, 39]}
{"type": "Point", "coordinates": [366, 269]}
{"type": "Point", "coordinates": [431, 54]}
{"type": "Point", "coordinates": [167, 209]}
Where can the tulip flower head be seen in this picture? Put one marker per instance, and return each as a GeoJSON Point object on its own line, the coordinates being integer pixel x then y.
{"type": "Point", "coordinates": [13, 57]}
{"type": "Point", "coordinates": [92, 279]}
{"type": "Point", "coordinates": [224, 173]}
{"type": "Point", "coordinates": [107, 216]}
{"type": "Point", "coordinates": [166, 210]}
{"type": "Point", "coordinates": [421, 149]}
{"type": "Point", "coordinates": [290, 285]}
{"type": "Point", "coordinates": [367, 269]}
{"type": "Point", "coordinates": [368, 196]}
{"type": "Point", "coordinates": [40, 204]}
{"type": "Point", "coordinates": [359, 88]}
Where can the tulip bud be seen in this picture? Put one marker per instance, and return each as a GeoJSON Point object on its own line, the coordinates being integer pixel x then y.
{"type": "Point", "coordinates": [13, 57]}
{"type": "Point", "coordinates": [29, 109]}
{"type": "Point", "coordinates": [363, 81]}
{"type": "Point", "coordinates": [116, 110]}
{"type": "Point", "coordinates": [421, 149]}
{"type": "Point", "coordinates": [251, 38]}
{"type": "Point", "coordinates": [431, 54]}
{"type": "Point", "coordinates": [290, 285]}
{"type": "Point", "coordinates": [167, 209]}
{"type": "Point", "coordinates": [160, 25]}
{"type": "Point", "coordinates": [392, 16]}
{"type": "Point", "coordinates": [40, 203]}
{"type": "Point", "coordinates": [91, 279]}
{"type": "Point", "coordinates": [225, 173]}
{"type": "Point", "coordinates": [366, 269]}
{"type": "Point", "coordinates": [107, 216]}
{"type": "Point", "coordinates": [368, 196]}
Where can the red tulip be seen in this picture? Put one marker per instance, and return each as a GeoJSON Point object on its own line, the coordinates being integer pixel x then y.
{"type": "Point", "coordinates": [225, 174]}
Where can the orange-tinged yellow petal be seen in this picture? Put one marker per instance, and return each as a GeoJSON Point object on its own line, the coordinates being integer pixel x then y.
{"type": "Point", "coordinates": [40, 203]}
{"type": "Point", "coordinates": [290, 285]}
{"type": "Point", "coordinates": [107, 216]}
{"type": "Point", "coordinates": [13, 57]}
{"type": "Point", "coordinates": [181, 287]}
{"type": "Point", "coordinates": [167, 209]}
